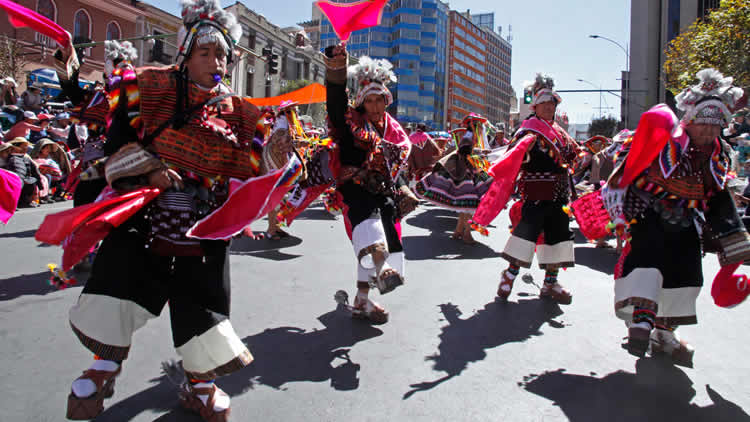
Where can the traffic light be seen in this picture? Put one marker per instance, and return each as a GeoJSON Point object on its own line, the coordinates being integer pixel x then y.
{"type": "Point", "coordinates": [527, 96]}
{"type": "Point", "coordinates": [273, 64]}
{"type": "Point", "coordinates": [266, 52]}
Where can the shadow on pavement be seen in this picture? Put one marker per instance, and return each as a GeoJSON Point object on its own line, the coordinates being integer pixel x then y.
{"type": "Point", "coordinates": [264, 248]}
{"type": "Point", "coordinates": [291, 354]}
{"type": "Point", "coordinates": [27, 284]}
{"type": "Point", "coordinates": [315, 213]}
{"type": "Point", "coordinates": [26, 233]}
{"type": "Point", "coordinates": [463, 341]}
{"type": "Point", "coordinates": [282, 355]}
{"type": "Point", "coordinates": [439, 246]}
{"type": "Point", "coordinates": [437, 220]}
{"type": "Point", "coordinates": [658, 391]}
{"type": "Point", "coordinates": [598, 259]}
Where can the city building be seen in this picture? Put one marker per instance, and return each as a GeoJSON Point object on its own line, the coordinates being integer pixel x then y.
{"type": "Point", "coordinates": [86, 20]}
{"type": "Point", "coordinates": [653, 24]}
{"type": "Point", "coordinates": [413, 36]}
{"type": "Point", "coordinates": [484, 20]}
{"type": "Point", "coordinates": [312, 27]}
{"type": "Point", "coordinates": [250, 76]}
{"type": "Point", "coordinates": [499, 91]}
{"type": "Point", "coordinates": [467, 70]}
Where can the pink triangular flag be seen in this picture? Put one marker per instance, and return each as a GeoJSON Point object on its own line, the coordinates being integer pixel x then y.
{"type": "Point", "coordinates": [349, 17]}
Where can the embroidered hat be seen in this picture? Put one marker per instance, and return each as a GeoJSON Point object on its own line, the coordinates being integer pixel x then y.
{"type": "Point", "coordinates": [542, 89]}
{"type": "Point", "coordinates": [372, 76]}
{"type": "Point", "coordinates": [205, 22]}
{"type": "Point", "coordinates": [117, 54]}
{"type": "Point", "coordinates": [709, 101]}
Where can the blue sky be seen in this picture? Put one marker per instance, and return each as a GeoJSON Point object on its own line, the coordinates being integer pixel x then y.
{"type": "Point", "coordinates": [549, 36]}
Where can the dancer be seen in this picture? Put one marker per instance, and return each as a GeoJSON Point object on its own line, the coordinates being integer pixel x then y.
{"type": "Point", "coordinates": [669, 188]}
{"type": "Point", "coordinates": [203, 136]}
{"type": "Point", "coordinates": [459, 179]}
{"type": "Point", "coordinates": [537, 165]}
{"type": "Point", "coordinates": [424, 153]}
{"type": "Point", "coordinates": [373, 151]}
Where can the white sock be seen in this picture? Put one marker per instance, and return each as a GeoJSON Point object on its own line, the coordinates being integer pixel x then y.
{"type": "Point", "coordinates": [85, 387]}
{"type": "Point", "coordinates": [221, 401]}
{"type": "Point", "coordinates": [510, 275]}
{"type": "Point", "coordinates": [643, 324]}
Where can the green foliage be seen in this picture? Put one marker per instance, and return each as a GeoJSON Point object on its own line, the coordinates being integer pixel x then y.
{"type": "Point", "coordinates": [605, 126]}
{"type": "Point", "coordinates": [721, 40]}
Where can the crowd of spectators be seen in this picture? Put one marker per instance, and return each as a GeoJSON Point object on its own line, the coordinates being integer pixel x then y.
{"type": "Point", "coordinates": [36, 134]}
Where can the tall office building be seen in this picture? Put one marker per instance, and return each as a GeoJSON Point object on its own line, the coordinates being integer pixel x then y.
{"type": "Point", "coordinates": [467, 70]}
{"type": "Point", "coordinates": [413, 36]}
{"type": "Point", "coordinates": [653, 24]}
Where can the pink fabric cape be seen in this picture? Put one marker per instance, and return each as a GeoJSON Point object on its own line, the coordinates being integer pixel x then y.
{"type": "Point", "coordinates": [655, 128]}
{"type": "Point", "coordinates": [21, 17]}
{"type": "Point", "coordinates": [729, 289]}
{"type": "Point", "coordinates": [419, 138]}
{"type": "Point", "coordinates": [505, 171]}
{"type": "Point", "coordinates": [248, 201]}
{"type": "Point", "coordinates": [80, 228]}
{"type": "Point", "coordinates": [10, 191]}
{"type": "Point", "coordinates": [346, 18]}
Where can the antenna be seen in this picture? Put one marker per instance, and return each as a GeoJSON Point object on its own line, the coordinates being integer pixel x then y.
{"type": "Point", "coordinates": [510, 33]}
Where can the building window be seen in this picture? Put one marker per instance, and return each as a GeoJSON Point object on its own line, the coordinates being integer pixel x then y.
{"type": "Point", "coordinates": [249, 84]}
{"type": "Point", "coordinates": [113, 31]}
{"type": "Point", "coordinates": [48, 9]}
{"type": "Point", "coordinates": [82, 24]}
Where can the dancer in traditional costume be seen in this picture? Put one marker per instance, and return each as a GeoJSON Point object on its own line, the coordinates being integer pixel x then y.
{"type": "Point", "coordinates": [669, 188]}
{"type": "Point", "coordinates": [373, 152]}
{"type": "Point", "coordinates": [424, 153]}
{"type": "Point", "coordinates": [538, 166]}
{"type": "Point", "coordinates": [459, 180]}
{"type": "Point", "coordinates": [178, 129]}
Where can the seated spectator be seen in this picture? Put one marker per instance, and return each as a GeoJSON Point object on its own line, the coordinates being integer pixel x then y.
{"type": "Point", "coordinates": [23, 128]}
{"type": "Point", "coordinates": [5, 150]}
{"type": "Point", "coordinates": [53, 164]}
{"type": "Point", "coordinates": [738, 127]}
{"type": "Point", "coordinates": [31, 99]}
{"type": "Point", "coordinates": [44, 122]}
{"type": "Point", "coordinates": [8, 95]}
{"type": "Point", "coordinates": [20, 163]}
{"type": "Point", "coordinates": [60, 127]}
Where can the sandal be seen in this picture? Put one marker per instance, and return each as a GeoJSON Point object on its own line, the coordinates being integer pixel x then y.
{"type": "Point", "coordinates": [367, 309]}
{"type": "Point", "coordinates": [189, 400]}
{"type": "Point", "coordinates": [457, 236]}
{"type": "Point", "coordinates": [669, 343]}
{"type": "Point", "coordinates": [638, 339]}
{"type": "Point", "coordinates": [388, 280]}
{"type": "Point", "coordinates": [557, 293]}
{"type": "Point", "coordinates": [85, 408]}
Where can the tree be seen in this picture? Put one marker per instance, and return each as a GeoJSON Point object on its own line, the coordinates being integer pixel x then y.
{"type": "Point", "coordinates": [12, 59]}
{"type": "Point", "coordinates": [605, 126]}
{"type": "Point", "coordinates": [316, 111]}
{"type": "Point", "coordinates": [721, 40]}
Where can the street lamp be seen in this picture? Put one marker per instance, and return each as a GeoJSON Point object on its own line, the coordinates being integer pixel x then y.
{"type": "Point", "coordinates": [627, 69]}
{"type": "Point", "coordinates": [600, 94]}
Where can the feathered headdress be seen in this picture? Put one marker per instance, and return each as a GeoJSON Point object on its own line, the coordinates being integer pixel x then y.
{"type": "Point", "coordinates": [542, 89]}
{"type": "Point", "coordinates": [710, 101]}
{"type": "Point", "coordinates": [205, 22]}
{"type": "Point", "coordinates": [116, 53]}
{"type": "Point", "coordinates": [372, 76]}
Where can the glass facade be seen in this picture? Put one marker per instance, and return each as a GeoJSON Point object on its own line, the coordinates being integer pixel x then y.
{"type": "Point", "coordinates": [413, 36]}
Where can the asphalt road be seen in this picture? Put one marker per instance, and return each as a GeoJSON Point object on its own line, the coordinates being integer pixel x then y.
{"type": "Point", "coordinates": [450, 351]}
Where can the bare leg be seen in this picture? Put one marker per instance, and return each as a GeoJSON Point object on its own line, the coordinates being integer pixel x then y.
{"type": "Point", "coordinates": [468, 239]}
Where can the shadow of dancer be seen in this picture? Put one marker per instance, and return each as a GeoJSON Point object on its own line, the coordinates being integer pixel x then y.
{"type": "Point", "coordinates": [463, 341]}
{"type": "Point", "coordinates": [289, 354]}
{"type": "Point", "coordinates": [658, 391]}
{"type": "Point", "coordinates": [36, 284]}
{"type": "Point", "coordinates": [598, 259]}
{"type": "Point", "coordinates": [282, 355]}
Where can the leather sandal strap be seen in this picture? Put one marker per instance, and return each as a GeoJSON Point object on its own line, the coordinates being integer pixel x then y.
{"type": "Point", "coordinates": [99, 378]}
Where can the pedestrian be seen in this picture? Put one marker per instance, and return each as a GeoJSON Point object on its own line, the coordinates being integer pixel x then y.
{"type": "Point", "coordinates": [148, 261]}
{"type": "Point", "coordinates": [538, 167]}
{"type": "Point", "coordinates": [459, 180]}
{"type": "Point", "coordinates": [666, 202]}
{"type": "Point", "coordinates": [373, 150]}
{"type": "Point", "coordinates": [499, 140]}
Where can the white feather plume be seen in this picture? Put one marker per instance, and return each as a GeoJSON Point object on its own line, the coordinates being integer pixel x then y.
{"type": "Point", "coordinates": [375, 70]}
